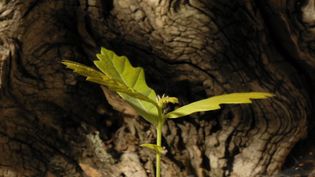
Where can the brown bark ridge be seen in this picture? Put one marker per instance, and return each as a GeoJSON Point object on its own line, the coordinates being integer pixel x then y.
{"type": "Point", "coordinates": [53, 123]}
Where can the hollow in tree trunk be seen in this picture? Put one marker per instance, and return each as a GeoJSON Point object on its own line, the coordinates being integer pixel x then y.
{"type": "Point", "coordinates": [53, 123]}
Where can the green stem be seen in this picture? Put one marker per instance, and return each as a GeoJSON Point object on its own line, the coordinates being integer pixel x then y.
{"type": "Point", "coordinates": [159, 143]}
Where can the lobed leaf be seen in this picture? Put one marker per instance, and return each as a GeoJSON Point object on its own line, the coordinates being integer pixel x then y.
{"type": "Point", "coordinates": [82, 69]}
{"type": "Point", "coordinates": [117, 74]}
{"type": "Point", "coordinates": [95, 76]}
{"type": "Point", "coordinates": [118, 68]}
{"type": "Point", "coordinates": [213, 103]}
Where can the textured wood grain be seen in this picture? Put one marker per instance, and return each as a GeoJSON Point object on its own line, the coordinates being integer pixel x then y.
{"type": "Point", "coordinates": [52, 121]}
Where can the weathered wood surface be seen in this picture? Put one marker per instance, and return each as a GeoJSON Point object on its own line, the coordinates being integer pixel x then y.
{"type": "Point", "coordinates": [53, 123]}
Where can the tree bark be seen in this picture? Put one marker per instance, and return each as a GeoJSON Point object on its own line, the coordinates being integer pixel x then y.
{"type": "Point", "coordinates": [53, 123]}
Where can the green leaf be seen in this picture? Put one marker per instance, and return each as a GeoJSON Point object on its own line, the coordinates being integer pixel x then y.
{"type": "Point", "coordinates": [120, 76]}
{"type": "Point", "coordinates": [213, 103]}
{"type": "Point", "coordinates": [82, 69]}
{"type": "Point", "coordinates": [98, 77]}
{"type": "Point", "coordinates": [154, 147]}
{"type": "Point", "coordinates": [119, 69]}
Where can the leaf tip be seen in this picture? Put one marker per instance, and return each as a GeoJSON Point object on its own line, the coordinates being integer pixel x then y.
{"type": "Point", "coordinates": [266, 94]}
{"type": "Point", "coordinates": [65, 62]}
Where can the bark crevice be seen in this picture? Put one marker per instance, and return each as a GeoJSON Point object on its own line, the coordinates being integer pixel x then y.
{"type": "Point", "coordinates": [194, 50]}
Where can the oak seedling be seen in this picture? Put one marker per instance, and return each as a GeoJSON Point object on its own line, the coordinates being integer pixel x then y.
{"type": "Point", "coordinates": [118, 75]}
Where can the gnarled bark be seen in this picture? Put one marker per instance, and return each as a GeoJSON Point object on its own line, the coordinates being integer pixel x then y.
{"type": "Point", "coordinates": [53, 123]}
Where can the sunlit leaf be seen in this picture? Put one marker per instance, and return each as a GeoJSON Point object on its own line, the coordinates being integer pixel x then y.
{"type": "Point", "coordinates": [98, 77]}
{"type": "Point", "coordinates": [117, 74]}
{"type": "Point", "coordinates": [119, 68]}
{"type": "Point", "coordinates": [82, 69]}
{"type": "Point", "coordinates": [213, 103]}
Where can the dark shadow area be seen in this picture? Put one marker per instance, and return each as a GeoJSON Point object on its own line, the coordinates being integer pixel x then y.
{"type": "Point", "coordinates": [301, 160]}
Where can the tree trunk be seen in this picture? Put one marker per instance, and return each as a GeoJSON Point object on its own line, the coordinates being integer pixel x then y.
{"type": "Point", "coordinates": [53, 123]}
